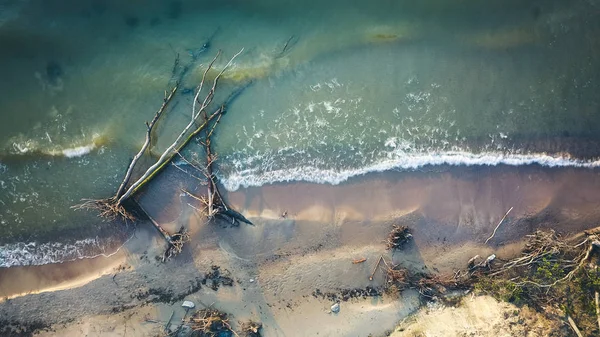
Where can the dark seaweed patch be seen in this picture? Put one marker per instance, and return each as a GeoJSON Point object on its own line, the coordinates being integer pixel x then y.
{"type": "Point", "coordinates": [54, 71]}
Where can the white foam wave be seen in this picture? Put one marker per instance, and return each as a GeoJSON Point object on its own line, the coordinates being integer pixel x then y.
{"type": "Point", "coordinates": [78, 151]}
{"type": "Point", "coordinates": [250, 177]}
{"type": "Point", "coordinates": [32, 253]}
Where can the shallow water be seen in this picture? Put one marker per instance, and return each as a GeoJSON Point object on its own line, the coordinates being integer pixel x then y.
{"type": "Point", "coordinates": [360, 87]}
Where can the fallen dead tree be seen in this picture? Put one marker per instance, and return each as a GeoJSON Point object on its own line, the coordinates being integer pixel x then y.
{"type": "Point", "coordinates": [200, 120]}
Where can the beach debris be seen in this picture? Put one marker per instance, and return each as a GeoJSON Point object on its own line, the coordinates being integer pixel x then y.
{"type": "Point", "coordinates": [211, 322]}
{"type": "Point", "coordinates": [375, 268]}
{"type": "Point", "coordinates": [497, 226]}
{"type": "Point", "coordinates": [335, 308]}
{"type": "Point", "coordinates": [251, 329]}
{"type": "Point", "coordinates": [489, 260]}
{"type": "Point", "coordinates": [473, 265]}
{"type": "Point", "coordinates": [357, 261]}
{"type": "Point", "coordinates": [215, 278]}
{"type": "Point", "coordinates": [472, 261]}
{"type": "Point", "coordinates": [395, 275]}
{"type": "Point", "coordinates": [398, 237]}
{"type": "Point", "coordinates": [284, 214]}
{"type": "Point", "coordinates": [188, 305]}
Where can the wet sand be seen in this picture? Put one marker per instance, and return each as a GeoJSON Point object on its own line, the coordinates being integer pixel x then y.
{"type": "Point", "coordinates": [278, 263]}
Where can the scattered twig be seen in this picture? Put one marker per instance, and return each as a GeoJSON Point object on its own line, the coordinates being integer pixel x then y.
{"type": "Point", "coordinates": [375, 268]}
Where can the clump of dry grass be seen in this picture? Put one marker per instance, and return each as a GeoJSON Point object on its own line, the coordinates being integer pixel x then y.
{"type": "Point", "coordinates": [211, 322]}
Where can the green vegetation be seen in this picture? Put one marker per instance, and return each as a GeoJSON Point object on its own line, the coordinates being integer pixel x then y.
{"type": "Point", "coordinates": [553, 277]}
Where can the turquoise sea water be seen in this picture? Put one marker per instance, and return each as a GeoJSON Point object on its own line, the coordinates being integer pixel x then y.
{"type": "Point", "coordinates": [362, 86]}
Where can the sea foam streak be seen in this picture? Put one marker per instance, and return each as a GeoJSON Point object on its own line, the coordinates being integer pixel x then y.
{"type": "Point", "coordinates": [250, 177]}
{"type": "Point", "coordinates": [78, 151]}
{"type": "Point", "coordinates": [32, 253]}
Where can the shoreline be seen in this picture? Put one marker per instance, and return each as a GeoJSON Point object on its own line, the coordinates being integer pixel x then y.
{"type": "Point", "coordinates": [277, 264]}
{"type": "Point", "coordinates": [426, 199]}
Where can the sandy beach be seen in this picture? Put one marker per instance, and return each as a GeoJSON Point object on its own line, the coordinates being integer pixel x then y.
{"type": "Point", "coordinates": [282, 264]}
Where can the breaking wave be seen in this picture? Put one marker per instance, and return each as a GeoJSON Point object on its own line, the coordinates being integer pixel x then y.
{"type": "Point", "coordinates": [33, 253]}
{"type": "Point", "coordinates": [254, 177]}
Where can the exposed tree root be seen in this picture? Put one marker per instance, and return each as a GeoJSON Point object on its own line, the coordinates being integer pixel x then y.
{"type": "Point", "coordinates": [106, 208]}
{"type": "Point", "coordinates": [398, 237]}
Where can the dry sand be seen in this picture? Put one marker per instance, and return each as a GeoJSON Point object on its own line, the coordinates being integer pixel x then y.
{"type": "Point", "coordinates": [278, 263]}
{"type": "Point", "coordinates": [475, 316]}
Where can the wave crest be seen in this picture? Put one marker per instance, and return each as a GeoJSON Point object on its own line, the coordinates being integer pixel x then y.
{"type": "Point", "coordinates": [251, 177]}
{"type": "Point", "coordinates": [33, 253]}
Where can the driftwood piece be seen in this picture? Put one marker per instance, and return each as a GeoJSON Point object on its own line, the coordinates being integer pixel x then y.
{"type": "Point", "coordinates": [574, 326]}
{"type": "Point", "coordinates": [497, 226]}
{"type": "Point", "coordinates": [375, 268]}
